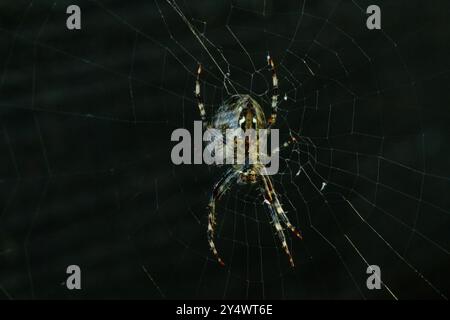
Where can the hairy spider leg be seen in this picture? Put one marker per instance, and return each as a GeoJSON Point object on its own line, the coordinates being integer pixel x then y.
{"type": "Point", "coordinates": [278, 227]}
{"type": "Point", "coordinates": [279, 209]}
{"type": "Point", "coordinates": [286, 144]}
{"type": "Point", "coordinates": [273, 116]}
{"type": "Point", "coordinates": [220, 188]}
{"type": "Point", "coordinates": [277, 212]}
{"type": "Point", "coordinates": [198, 96]}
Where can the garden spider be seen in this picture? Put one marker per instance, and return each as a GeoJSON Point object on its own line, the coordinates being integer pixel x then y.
{"type": "Point", "coordinates": [242, 111]}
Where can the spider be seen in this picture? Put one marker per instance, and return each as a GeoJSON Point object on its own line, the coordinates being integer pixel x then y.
{"type": "Point", "coordinates": [242, 111]}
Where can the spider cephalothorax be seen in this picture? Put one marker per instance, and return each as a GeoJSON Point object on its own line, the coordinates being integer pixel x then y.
{"type": "Point", "coordinates": [242, 112]}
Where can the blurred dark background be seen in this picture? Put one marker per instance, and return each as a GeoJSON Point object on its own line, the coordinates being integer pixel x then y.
{"type": "Point", "coordinates": [86, 176]}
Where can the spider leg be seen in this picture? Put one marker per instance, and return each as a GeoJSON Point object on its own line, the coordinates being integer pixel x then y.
{"type": "Point", "coordinates": [273, 116]}
{"type": "Point", "coordinates": [277, 213]}
{"type": "Point", "coordinates": [220, 188]}
{"type": "Point", "coordinates": [278, 227]}
{"type": "Point", "coordinates": [198, 96]}
{"type": "Point", "coordinates": [279, 209]}
{"type": "Point", "coordinates": [289, 142]}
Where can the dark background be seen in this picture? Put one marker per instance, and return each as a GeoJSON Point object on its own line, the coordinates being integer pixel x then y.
{"type": "Point", "coordinates": [86, 176]}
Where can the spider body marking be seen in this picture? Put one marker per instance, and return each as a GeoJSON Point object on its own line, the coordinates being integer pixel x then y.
{"type": "Point", "coordinates": [241, 111]}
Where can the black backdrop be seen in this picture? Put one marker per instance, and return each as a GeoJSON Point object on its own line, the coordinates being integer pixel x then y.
{"type": "Point", "coordinates": [86, 176]}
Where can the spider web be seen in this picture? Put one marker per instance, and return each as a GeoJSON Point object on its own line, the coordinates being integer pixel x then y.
{"type": "Point", "coordinates": [366, 183]}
